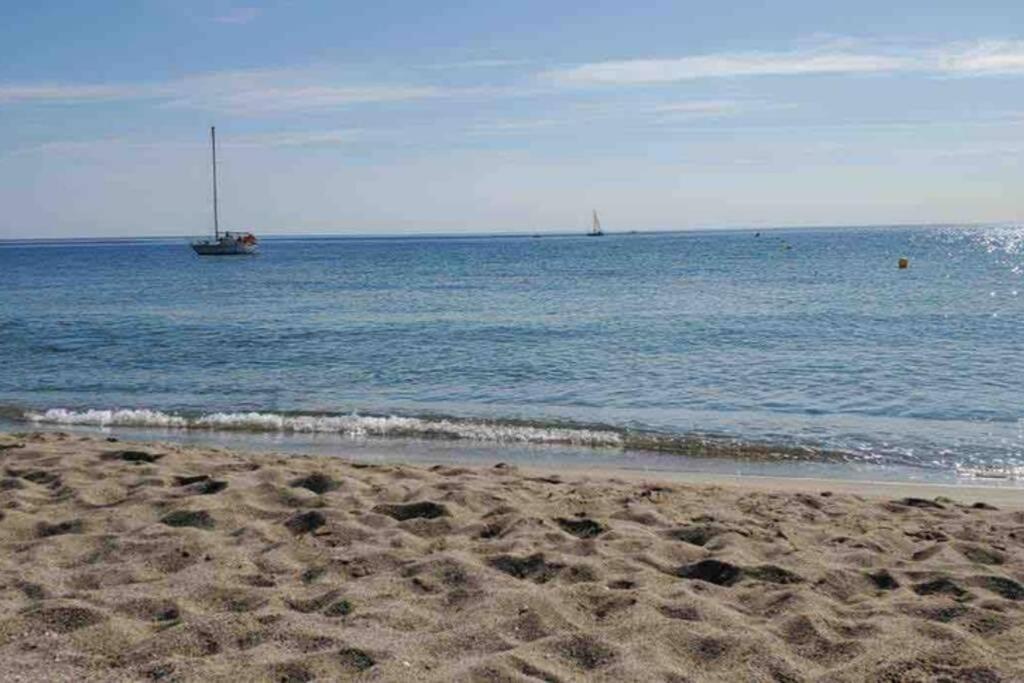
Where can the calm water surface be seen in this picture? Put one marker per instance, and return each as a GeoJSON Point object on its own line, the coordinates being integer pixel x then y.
{"type": "Point", "coordinates": [805, 337]}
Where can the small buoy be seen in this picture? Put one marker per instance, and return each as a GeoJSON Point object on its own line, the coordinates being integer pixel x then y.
{"type": "Point", "coordinates": [904, 263]}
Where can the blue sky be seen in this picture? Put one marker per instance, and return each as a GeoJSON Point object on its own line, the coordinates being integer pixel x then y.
{"type": "Point", "coordinates": [400, 116]}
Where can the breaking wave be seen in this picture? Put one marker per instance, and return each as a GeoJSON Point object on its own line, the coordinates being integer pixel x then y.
{"type": "Point", "coordinates": [520, 432]}
{"type": "Point", "coordinates": [348, 425]}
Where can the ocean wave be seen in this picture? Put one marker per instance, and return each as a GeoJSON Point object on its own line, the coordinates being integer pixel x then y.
{"type": "Point", "coordinates": [991, 472]}
{"type": "Point", "coordinates": [498, 431]}
{"type": "Point", "coordinates": [349, 425]}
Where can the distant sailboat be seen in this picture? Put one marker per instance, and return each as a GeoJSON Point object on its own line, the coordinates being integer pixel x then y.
{"type": "Point", "coordinates": [595, 228]}
{"type": "Point", "coordinates": [226, 243]}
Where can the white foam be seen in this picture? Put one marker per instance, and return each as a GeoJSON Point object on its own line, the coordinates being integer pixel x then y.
{"type": "Point", "coordinates": [105, 418]}
{"type": "Point", "coordinates": [349, 425]}
{"type": "Point", "coordinates": [1006, 473]}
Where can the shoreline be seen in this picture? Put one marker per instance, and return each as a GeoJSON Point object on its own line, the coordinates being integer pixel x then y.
{"type": "Point", "coordinates": [1009, 493]}
{"type": "Point", "coordinates": [127, 560]}
{"type": "Point", "coordinates": [850, 476]}
{"type": "Point", "coordinates": [940, 462]}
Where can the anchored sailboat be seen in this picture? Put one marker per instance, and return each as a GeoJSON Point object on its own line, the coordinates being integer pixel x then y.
{"type": "Point", "coordinates": [226, 243]}
{"type": "Point", "coordinates": [595, 228]}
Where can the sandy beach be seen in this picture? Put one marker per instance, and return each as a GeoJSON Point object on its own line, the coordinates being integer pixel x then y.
{"type": "Point", "coordinates": [145, 561]}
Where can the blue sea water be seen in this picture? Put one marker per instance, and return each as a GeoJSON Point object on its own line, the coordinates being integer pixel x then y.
{"type": "Point", "coordinates": [808, 343]}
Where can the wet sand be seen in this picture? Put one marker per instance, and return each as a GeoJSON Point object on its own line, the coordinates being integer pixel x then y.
{"type": "Point", "coordinates": [145, 561]}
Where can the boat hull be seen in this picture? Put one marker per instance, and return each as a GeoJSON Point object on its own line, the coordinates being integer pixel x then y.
{"type": "Point", "coordinates": [225, 247]}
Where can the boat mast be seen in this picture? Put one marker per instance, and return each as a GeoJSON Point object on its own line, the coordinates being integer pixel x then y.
{"type": "Point", "coordinates": [213, 148]}
{"type": "Point", "coordinates": [596, 228]}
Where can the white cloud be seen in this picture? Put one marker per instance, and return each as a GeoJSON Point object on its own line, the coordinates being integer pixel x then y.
{"type": "Point", "coordinates": [134, 145]}
{"type": "Point", "coordinates": [239, 15]}
{"type": "Point", "coordinates": [967, 59]}
{"type": "Point", "coordinates": [281, 98]}
{"type": "Point", "coordinates": [279, 90]}
{"type": "Point", "coordinates": [699, 107]}
{"type": "Point", "coordinates": [724, 65]}
{"type": "Point", "coordinates": [327, 87]}
{"type": "Point", "coordinates": [65, 93]}
{"type": "Point", "coordinates": [240, 92]}
{"type": "Point", "coordinates": [625, 113]}
{"type": "Point", "coordinates": [689, 110]}
{"type": "Point", "coordinates": [515, 126]}
{"type": "Point", "coordinates": [476, 64]}
{"type": "Point", "coordinates": [987, 57]}
{"type": "Point", "coordinates": [298, 138]}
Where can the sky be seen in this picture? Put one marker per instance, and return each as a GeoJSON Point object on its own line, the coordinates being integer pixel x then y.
{"type": "Point", "coordinates": [403, 116]}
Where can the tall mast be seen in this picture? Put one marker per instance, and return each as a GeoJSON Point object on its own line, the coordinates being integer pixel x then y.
{"type": "Point", "coordinates": [213, 147]}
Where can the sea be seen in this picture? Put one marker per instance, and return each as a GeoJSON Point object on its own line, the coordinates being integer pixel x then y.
{"type": "Point", "coordinates": [800, 352]}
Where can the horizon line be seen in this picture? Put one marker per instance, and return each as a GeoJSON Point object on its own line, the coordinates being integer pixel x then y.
{"type": "Point", "coordinates": [523, 234]}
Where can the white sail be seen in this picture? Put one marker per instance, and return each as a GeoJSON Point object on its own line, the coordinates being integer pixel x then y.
{"type": "Point", "coordinates": [595, 228]}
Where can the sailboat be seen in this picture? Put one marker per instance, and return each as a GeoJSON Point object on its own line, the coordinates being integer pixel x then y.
{"type": "Point", "coordinates": [595, 228]}
{"type": "Point", "coordinates": [223, 243]}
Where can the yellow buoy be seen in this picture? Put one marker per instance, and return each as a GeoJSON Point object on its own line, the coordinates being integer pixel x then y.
{"type": "Point", "coordinates": [904, 263]}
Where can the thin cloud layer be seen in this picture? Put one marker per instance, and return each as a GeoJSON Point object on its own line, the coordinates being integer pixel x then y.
{"type": "Point", "coordinates": [238, 92]}
{"type": "Point", "coordinates": [63, 93]}
{"type": "Point", "coordinates": [239, 15]}
{"type": "Point", "coordinates": [720, 66]}
{"type": "Point", "coordinates": [326, 87]}
{"type": "Point", "coordinates": [114, 144]}
{"type": "Point", "coordinates": [299, 138]}
{"type": "Point", "coordinates": [987, 57]}
{"type": "Point", "coordinates": [282, 98]}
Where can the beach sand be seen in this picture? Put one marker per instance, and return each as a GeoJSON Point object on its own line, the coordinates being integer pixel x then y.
{"type": "Point", "coordinates": [132, 561]}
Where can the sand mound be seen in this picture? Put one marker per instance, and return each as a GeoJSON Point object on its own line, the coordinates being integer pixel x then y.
{"type": "Point", "coordinates": [165, 563]}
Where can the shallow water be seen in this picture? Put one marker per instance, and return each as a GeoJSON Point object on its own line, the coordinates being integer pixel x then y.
{"type": "Point", "coordinates": [810, 338]}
